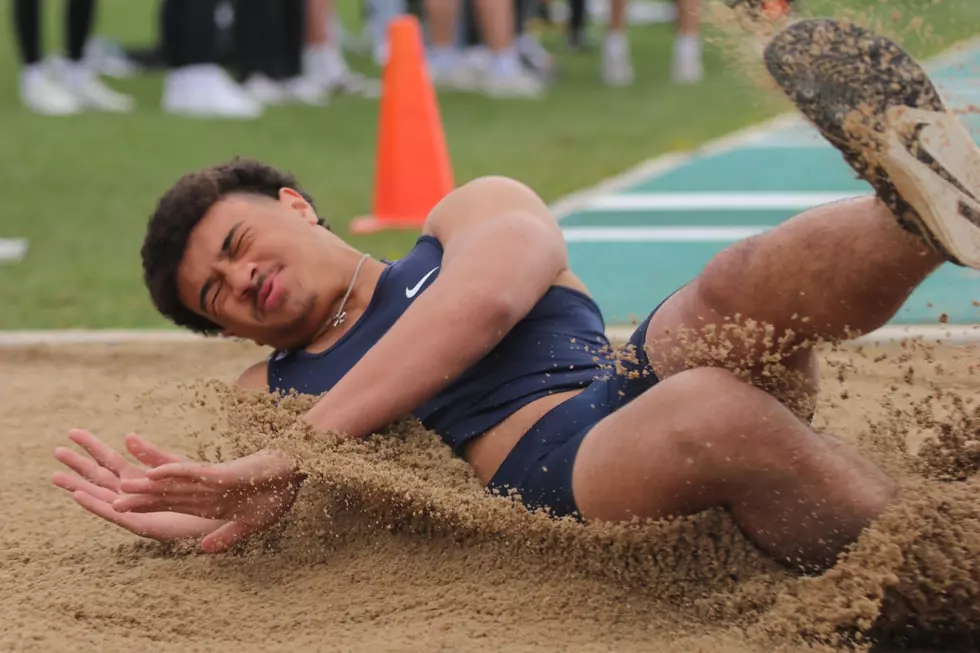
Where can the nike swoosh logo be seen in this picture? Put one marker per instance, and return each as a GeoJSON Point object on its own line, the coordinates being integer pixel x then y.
{"type": "Point", "coordinates": [411, 292]}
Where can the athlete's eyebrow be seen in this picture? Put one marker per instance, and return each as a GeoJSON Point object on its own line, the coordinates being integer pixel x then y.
{"type": "Point", "coordinates": [226, 243]}
{"type": "Point", "coordinates": [222, 253]}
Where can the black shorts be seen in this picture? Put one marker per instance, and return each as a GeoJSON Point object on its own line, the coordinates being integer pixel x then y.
{"type": "Point", "coordinates": [539, 467]}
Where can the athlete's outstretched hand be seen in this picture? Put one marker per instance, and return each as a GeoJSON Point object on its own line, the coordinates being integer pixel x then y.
{"type": "Point", "coordinates": [251, 494]}
{"type": "Point", "coordinates": [95, 485]}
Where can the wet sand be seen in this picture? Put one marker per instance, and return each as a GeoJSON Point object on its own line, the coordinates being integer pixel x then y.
{"type": "Point", "coordinates": [393, 545]}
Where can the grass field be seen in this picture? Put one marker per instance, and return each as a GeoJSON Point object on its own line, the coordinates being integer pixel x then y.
{"type": "Point", "coordinates": [81, 188]}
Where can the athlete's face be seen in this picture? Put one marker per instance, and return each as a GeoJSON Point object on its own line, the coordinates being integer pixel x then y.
{"type": "Point", "coordinates": [259, 267]}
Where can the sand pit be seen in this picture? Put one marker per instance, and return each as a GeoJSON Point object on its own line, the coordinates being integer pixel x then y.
{"type": "Point", "coordinates": [393, 547]}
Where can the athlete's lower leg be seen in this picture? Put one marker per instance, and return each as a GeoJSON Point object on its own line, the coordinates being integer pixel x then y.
{"type": "Point", "coordinates": [759, 306]}
{"type": "Point", "coordinates": [827, 273]}
{"type": "Point", "coordinates": [846, 267]}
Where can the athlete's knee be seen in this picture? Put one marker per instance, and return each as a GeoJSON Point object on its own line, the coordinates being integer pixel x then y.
{"type": "Point", "coordinates": [721, 421]}
{"type": "Point", "coordinates": [720, 286]}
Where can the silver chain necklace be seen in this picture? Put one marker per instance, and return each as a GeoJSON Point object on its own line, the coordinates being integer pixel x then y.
{"type": "Point", "coordinates": [341, 315]}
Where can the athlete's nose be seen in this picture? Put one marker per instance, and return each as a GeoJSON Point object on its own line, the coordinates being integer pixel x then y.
{"type": "Point", "coordinates": [242, 277]}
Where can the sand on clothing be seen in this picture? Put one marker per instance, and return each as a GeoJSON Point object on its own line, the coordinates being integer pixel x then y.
{"type": "Point", "coordinates": [393, 545]}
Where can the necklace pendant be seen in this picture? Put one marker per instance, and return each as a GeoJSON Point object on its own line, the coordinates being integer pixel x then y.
{"type": "Point", "coordinates": [337, 321]}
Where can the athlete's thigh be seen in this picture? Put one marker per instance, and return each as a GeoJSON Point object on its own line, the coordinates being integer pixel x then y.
{"type": "Point", "coordinates": [685, 332]}
{"type": "Point", "coordinates": [648, 459]}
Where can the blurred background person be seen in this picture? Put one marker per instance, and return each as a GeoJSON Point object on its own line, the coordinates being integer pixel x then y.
{"type": "Point", "coordinates": [74, 87]}
{"type": "Point", "coordinates": [499, 73]}
{"type": "Point", "coordinates": [617, 64]}
{"type": "Point", "coordinates": [268, 46]}
{"type": "Point", "coordinates": [323, 54]}
{"type": "Point", "coordinates": [196, 85]}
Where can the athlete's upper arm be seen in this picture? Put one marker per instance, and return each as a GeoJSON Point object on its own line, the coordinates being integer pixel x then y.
{"type": "Point", "coordinates": [255, 377]}
{"type": "Point", "coordinates": [481, 200]}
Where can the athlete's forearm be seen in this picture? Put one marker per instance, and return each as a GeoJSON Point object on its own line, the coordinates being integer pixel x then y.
{"type": "Point", "coordinates": [489, 282]}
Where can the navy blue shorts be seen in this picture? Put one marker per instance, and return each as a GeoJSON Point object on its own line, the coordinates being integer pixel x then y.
{"type": "Point", "coordinates": [539, 467]}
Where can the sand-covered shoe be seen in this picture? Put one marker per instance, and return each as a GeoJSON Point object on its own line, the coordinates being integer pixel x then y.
{"type": "Point", "coordinates": [875, 104]}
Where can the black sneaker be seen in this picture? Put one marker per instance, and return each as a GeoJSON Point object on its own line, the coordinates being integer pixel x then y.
{"type": "Point", "coordinates": [877, 106]}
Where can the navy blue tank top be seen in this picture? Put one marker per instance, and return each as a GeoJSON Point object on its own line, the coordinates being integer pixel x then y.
{"type": "Point", "coordinates": [560, 345]}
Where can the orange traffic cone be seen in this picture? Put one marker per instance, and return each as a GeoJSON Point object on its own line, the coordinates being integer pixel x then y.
{"type": "Point", "coordinates": [412, 171]}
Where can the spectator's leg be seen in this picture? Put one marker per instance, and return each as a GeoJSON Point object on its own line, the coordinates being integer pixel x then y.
{"type": "Point", "coordinates": [258, 36]}
{"type": "Point", "coordinates": [88, 89]}
{"type": "Point", "coordinates": [38, 92]}
{"type": "Point", "coordinates": [382, 11]}
{"type": "Point", "coordinates": [577, 22]}
{"type": "Point", "coordinates": [293, 31]}
{"type": "Point", "coordinates": [323, 56]}
{"type": "Point", "coordinates": [687, 66]}
{"type": "Point", "coordinates": [617, 66]}
{"type": "Point", "coordinates": [27, 30]}
{"type": "Point", "coordinates": [79, 20]}
{"type": "Point", "coordinates": [196, 85]}
{"type": "Point", "coordinates": [446, 65]}
{"type": "Point", "coordinates": [505, 75]}
{"type": "Point", "coordinates": [298, 87]}
{"type": "Point", "coordinates": [532, 53]}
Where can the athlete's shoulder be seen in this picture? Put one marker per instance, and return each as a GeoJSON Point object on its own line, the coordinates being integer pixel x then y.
{"type": "Point", "coordinates": [256, 377]}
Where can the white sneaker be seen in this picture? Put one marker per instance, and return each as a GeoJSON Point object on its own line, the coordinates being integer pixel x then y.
{"type": "Point", "coordinates": [206, 91]}
{"type": "Point", "coordinates": [617, 70]}
{"type": "Point", "coordinates": [92, 93]}
{"type": "Point", "coordinates": [305, 90]}
{"type": "Point", "coordinates": [328, 68]}
{"type": "Point", "coordinates": [459, 77]}
{"type": "Point", "coordinates": [949, 212]}
{"type": "Point", "coordinates": [264, 90]}
{"type": "Point", "coordinates": [535, 55]}
{"type": "Point", "coordinates": [687, 67]}
{"type": "Point", "coordinates": [617, 66]}
{"type": "Point", "coordinates": [44, 95]}
{"type": "Point", "coordinates": [520, 84]}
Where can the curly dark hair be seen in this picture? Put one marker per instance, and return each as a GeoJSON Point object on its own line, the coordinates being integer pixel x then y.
{"type": "Point", "coordinates": [179, 211]}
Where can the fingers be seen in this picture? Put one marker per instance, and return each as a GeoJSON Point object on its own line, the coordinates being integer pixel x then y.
{"type": "Point", "coordinates": [86, 468]}
{"type": "Point", "coordinates": [227, 536]}
{"type": "Point", "coordinates": [190, 471]}
{"type": "Point", "coordinates": [166, 486]}
{"type": "Point", "coordinates": [264, 466]}
{"type": "Point", "coordinates": [149, 454]}
{"type": "Point", "coordinates": [186, 505]}
{"type": "Point", "coordinates": [104, 510]}
{"type": "Point", "coordinates": [101, 452]}
{"type": "Point", "coordinates": [73, 483]}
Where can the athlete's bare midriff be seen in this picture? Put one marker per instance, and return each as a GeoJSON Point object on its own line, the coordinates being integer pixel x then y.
{"type": "Point", "coordinates": [486, 452]}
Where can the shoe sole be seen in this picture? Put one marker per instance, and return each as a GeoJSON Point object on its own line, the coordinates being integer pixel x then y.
{"type": "Point", "coordinates": [876, 105]}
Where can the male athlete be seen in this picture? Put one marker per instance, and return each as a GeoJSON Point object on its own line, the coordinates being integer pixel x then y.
{"type": "Point", "coordinates": [484, 334]}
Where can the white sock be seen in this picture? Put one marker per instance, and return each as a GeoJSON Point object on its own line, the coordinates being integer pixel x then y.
{"type": "Point", "coordinates": [687, 47]}
{"type": "Point", "coordinates": [443, 57]}
{"type": "Point", "coordinates": [32, 73]}
{"type": "Point", "coordinates": [616, 44]}
{"type": "Point", "coordinates": [76, 73]}
{"type": "Point", "coordinates": [505, 63]}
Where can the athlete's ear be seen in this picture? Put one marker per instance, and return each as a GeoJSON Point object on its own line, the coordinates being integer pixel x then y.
{"type": "Point", "coordinates": [294, 201]}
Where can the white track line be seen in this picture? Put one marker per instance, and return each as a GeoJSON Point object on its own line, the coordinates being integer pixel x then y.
{"type": "Point", "coordinates": [949, 335]}
{"type": "Point", "coordinates": [726, 201]}
{"type": "Point", "coordinates": [659, 234]}
{"type": "Point", "coordinates": [662, 164]}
